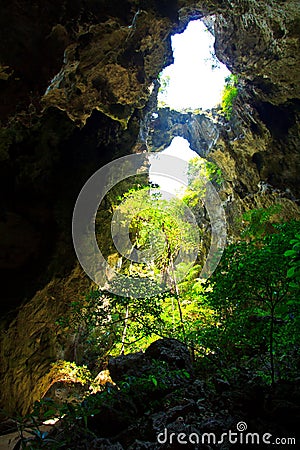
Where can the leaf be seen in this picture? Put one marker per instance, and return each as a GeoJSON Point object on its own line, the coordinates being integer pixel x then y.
{"type": "Point", "coordinates": [186, 374]}
{"type": "Point", "coordinates": [153, 379]}
{"type": "Point", "coordinates": [291, 272]}
{"type": "Point", "coordinates": [50, 413]}
{"type": "Point", "coordinates": [289, 253]}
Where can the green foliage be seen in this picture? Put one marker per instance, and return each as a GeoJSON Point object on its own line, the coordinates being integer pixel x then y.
{"type": "Point", "coordinates": [99, 320]}
{"type": "Point", "coordinates": [32, 438]}
{"type": "Point", "coordinates": [293, 254]}
{"type": "Point", "coordinates": [200, 172]}
{"type": "Point", "coordinates": [69, 371]}
{"type": "Point", "coordinates": [258, 222]}
{"type": "Point", "coordinates": [159, 224]}
{"type": "Point", "coordinates": [244, 318]}
{"type": "Point", "coordinates": [132, 319]}
{"type": "Point", "coordinates": [159, 377]}
{"type": "Point", "coordinates": [31, 435]}
{"type": "Point", "coordinates": [256, 314]}
{"type": "Point", "coordinates": [247, 313]}
{"type": "Point", "coordinates": [214, 173]}
{"type": "Point", "coordinates": [230, 92]}
{"type": "Point", "coordinates": [73, 424]}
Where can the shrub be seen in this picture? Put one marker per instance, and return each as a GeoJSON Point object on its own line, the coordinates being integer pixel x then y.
{"type": "Point", "coordinates": [229, 94]}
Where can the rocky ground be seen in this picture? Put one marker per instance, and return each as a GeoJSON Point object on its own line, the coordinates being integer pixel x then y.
{"type": "Point", "coordinates": [159, 399]}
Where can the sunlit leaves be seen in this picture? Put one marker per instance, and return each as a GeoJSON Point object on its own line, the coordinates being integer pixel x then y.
{"type": "Point", "coordinates": [230, 92]}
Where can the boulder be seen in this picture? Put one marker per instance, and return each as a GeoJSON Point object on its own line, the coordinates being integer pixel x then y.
{"type": "Point", "coordinates": [171, 351]}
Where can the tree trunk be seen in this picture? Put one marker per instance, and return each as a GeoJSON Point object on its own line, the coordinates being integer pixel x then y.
{"type": "Point", "coordinates": [124, 334]}
{"type": "Point", "coordinates": [271, 346]}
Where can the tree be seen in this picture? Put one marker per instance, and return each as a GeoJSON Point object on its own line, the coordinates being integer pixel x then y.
{"type": "Point", "coordinates": [163, 239]}
{"type": "Point", "coordinates": [104, 323]}
{"type": "Point", "coordinates": [256, 310]}
{"type": "Point", "coordinates": [157, 239]}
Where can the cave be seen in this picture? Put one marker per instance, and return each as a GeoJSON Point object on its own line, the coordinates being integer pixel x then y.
{"type": "Point", "coordinates": [79, 87]}
{"type": "Point", "coordinates": [196, 79]}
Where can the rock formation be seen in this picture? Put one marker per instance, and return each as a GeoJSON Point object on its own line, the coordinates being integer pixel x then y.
{"type": "Point", "coordinates": [78, 82]}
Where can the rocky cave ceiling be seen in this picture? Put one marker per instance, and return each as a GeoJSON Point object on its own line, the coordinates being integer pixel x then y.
{"type": "Point", "coordinates": [78, 83]}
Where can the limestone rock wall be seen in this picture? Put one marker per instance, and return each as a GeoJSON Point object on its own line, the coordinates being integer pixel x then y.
{"type": "Point", "coordinates": [34, 341]}
{"type": "Point", "coordinates": [111, 68]}
{"type": "Point", "coordinates": [260, 41]}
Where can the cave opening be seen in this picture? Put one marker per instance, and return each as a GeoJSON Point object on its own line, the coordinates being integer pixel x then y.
{"type": "Point", "coordinates": [197, 78]}
{"type": "Point", "coordinates": [234, 339]}
{"type": "Point", "coordinates": [172, 185]}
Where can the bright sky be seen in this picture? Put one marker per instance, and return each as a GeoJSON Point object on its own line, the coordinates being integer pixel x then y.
{"type": "Point", "coordinates": [163, 172]}
{"type": "Point", "coordinates": [193, 82]}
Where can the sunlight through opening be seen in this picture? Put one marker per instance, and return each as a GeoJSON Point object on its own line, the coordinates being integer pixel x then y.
{"type": "Point", "coordinates": [197, 78]}
{"type": "Point", "coordinates": [169, 187]}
